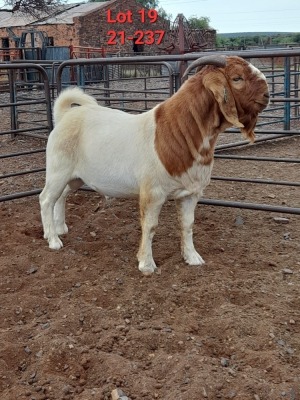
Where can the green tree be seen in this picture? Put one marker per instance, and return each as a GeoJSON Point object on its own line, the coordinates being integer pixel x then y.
{"type": "Point", "coordinates": [296, 37]}
{"type": "Point", "coordinates": [33, 7]}
{"type": "Point", "coordinates": [199, 22]}
{"type": "Point", "coordinates": [144, 3]}
{"type": "Point", "coordinates": [163, 14]}
{"type": "Point", "coordinates": [37, 8]}
{"type": "Point", "coordinates": [151, 4]}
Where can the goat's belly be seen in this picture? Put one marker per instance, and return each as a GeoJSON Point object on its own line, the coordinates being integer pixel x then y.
{"type": "Point", "coordinates": [113, 163]}
{"type": "Point", "coordinates": [120, 192]}
{"type": "Point", "coordinates": [110, 184]}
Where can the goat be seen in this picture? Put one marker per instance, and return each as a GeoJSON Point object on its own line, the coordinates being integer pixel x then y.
{"type": "Point", "coordinates": [166, 152]}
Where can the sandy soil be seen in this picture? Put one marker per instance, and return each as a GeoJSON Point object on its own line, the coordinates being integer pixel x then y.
{"type": "Point", "coordinates": [80, 322]}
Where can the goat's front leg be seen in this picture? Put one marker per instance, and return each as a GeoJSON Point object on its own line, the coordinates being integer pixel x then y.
{"type": "Point", "coordinates": [186, 215]}
{"type": "Point", "coordinates": [150, 207]}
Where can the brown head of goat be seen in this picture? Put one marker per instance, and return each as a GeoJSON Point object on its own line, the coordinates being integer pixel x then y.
{"type": "Point", "coordinates": [214, 99]}
{"type": "Point", "coordinates": [246, 89]}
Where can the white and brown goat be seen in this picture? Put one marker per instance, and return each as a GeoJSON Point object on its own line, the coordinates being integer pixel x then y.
{"type": "Point", "coordinates": [164, 153]}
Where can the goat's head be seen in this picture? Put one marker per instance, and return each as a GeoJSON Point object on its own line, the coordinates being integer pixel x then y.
{"type": "Point", "coordinates": [240, 89]}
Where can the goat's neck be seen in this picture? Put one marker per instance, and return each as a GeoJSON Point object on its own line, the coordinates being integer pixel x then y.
{"type": "Point", "coordinates": [187, 127]}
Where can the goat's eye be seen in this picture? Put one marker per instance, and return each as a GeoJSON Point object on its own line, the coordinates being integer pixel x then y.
{"type": "Point", "coordinates": [237, 79]}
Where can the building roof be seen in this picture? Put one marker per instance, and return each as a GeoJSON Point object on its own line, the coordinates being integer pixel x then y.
{"type": "Point", "coordinates": [63, 15]}
{"type": "Point", "coordinates": [9, 19]}
{"type": "Point", "coordinates": [71, 12]}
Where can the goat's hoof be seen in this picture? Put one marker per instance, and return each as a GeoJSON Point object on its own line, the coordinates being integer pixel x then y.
{"type": "Point", "coordinates": [193, 258]}
{"type": "Point", "coordinates": [147, 268]}
{"type": "Point", "coordinates": [62, 230]}
{"type": "Point", "coordinates": [55, 244]}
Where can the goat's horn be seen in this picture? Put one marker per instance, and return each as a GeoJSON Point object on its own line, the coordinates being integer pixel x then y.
{"type": "Point", "coordinates": [219, 61]}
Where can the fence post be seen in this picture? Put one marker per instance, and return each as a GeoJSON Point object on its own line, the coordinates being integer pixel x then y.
{"type": "Point", "coordinates": [80, 79]}
{"type": "Point", "coordinates": [106, 83]}
{"type": "Point", "coordinates": [296, 85]}
{"type": "Point", "coordinates": [13, 109]}
{"type": "Point", "coordinates": [287, 92]}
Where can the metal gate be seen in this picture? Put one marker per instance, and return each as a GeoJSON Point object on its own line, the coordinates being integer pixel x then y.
{"type": "Point", "coordinates": [280, 120]}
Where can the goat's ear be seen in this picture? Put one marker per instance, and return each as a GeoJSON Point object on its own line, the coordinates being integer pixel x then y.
{"type": "Point", "coordinates": [216, 82]}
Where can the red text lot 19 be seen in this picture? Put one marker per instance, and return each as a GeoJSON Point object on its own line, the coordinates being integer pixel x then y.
{"type": "Point", "coordinates": [120, 17]}
{"type": "Point", "coordinates": [126, 16]}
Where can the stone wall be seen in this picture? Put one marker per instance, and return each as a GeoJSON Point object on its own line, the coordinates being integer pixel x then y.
{"type": "Point", "coordinates": [102, 28]}
{"type": "Point", "coordinates": [113, 27]}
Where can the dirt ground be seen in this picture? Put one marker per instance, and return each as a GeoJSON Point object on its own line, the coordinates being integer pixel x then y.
{"type": "Point", "coordinates": [80, 322]}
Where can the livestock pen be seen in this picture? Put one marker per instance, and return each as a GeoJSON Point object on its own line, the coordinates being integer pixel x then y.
{"type": "Point", "coordinates": [81, 322]}
{"type": "Point", "coordinates": [281, 67]}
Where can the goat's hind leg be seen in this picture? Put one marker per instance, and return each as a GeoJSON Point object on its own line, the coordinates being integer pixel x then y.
{"type": "Point", "coordinates": [52, 191]}
{"type": "Point", "coordinates": [60, 205]}
{"type": "Point", "coordinates": [186, 211]}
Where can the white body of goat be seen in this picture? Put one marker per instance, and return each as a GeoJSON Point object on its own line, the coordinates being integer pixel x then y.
{"type": "Point", "coordinates": [123, 155]}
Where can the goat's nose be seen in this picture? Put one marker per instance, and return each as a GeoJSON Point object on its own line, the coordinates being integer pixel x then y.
{"type": "Point", "coordinates": [267, 95]}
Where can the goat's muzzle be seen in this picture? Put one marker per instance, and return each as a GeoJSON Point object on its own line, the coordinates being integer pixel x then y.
{"type": "Point", "coordinates": [263, 102]}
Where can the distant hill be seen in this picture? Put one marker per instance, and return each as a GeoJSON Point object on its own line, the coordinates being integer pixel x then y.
{"type": "Point", "coordinates": [251, 34]}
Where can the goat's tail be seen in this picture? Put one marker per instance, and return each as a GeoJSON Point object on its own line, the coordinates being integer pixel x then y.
{"type": "Point", "coordinates": [72, 95]}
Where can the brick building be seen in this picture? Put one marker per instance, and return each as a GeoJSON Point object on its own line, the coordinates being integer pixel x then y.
{"type": "Point", "coordinates": [115, 26]}
{"type": "Point", "coordinates": [111, 25]}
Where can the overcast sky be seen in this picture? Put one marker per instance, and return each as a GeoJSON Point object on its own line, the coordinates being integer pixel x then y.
{"type": "Point", "coordinates": [237, 15]}
{"type": "Point", "coordinates": [240, 15]}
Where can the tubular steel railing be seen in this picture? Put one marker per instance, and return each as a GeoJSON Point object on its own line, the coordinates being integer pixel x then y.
{"type": "Point", "coordinates": [281, 67]}
{"type": "Point", "coordinates": [23, 94]}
